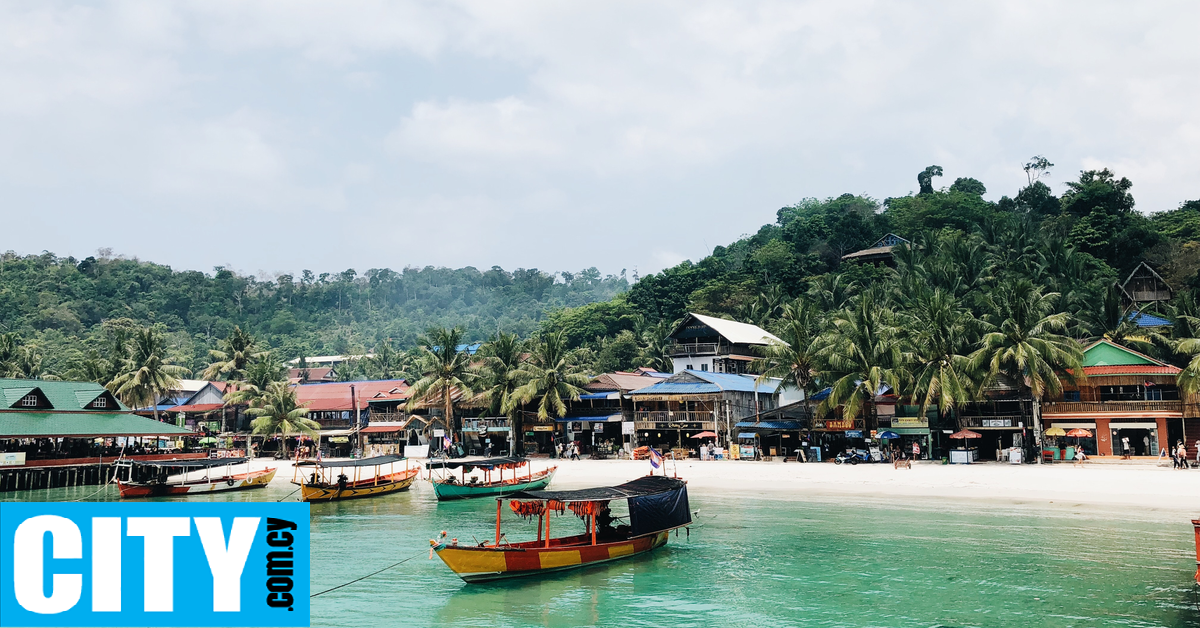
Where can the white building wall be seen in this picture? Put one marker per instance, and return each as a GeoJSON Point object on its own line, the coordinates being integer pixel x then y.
{"type": "Point", "coordinates": [695, 363]}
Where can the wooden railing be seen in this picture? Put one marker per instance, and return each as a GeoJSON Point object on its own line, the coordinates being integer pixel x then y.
{"type": "Point", "coordinates": [701, 348]}
{"type": "Point", "coordinates": [1064, 407]}
{"type": "Point", "coordinates": [679, 416]}
{"type": "Point", "coordinates": [653, 425]}
{"type": "Point", "coordinates": [992, 421]}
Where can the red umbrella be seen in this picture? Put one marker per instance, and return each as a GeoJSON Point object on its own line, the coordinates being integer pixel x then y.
{"type": "Point", "coordinates": [966, 434]}
{"type": "Point", "coordinates": [1079, 432]}
{"type": "Point", "coordinates": [705, 435]}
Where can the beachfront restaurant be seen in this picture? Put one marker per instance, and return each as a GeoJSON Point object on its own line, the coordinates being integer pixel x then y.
{"type": "Point", "coordinates": [668, 413]}
{"type": "Point", "coordinates": [1127, 396]}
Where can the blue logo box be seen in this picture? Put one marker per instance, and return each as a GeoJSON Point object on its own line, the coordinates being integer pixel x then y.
{"type": "Point", "coordinates": [154, 564]}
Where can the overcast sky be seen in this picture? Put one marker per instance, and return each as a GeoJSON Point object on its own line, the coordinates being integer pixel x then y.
{"type": "Point", "coordinates": [278, 136]}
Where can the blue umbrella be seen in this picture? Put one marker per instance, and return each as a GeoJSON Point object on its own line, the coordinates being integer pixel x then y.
{"type": "Point", "coordinates": [888, 434]}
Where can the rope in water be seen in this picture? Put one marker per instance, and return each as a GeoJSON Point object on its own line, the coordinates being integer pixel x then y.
{"type": "Point", "coordinates": [373, 573]}
{"type": "Point", "coordinates": [111, 480]}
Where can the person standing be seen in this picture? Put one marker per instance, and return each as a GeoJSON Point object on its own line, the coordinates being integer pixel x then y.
{"type": "Point", "coordinates": [575, 451]}
{"type": "Point", "coordinates": [1145, 445]}
{"type": "Point", "coordinates": [916, 450]}
{"type": "Point", "coordinates": [1125, 448]}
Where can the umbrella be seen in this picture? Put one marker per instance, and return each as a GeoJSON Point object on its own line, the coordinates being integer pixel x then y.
{"type": "Point", "coordinates": [208, 440]}
{"type": "Point", "coordinates": [888, 434]}
{"type": "Point", "coordinates": [705, 435]}
{"type": "Point", "coordinates": [966, 434]}
{"type": "Point", "coordinates": [1080, 433]}
{"type": "Point", "coordinates": [1057, 431]}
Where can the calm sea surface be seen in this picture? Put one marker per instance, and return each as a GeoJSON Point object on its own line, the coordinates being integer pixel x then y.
{"type": "Point", "coordinates": [764, 562]}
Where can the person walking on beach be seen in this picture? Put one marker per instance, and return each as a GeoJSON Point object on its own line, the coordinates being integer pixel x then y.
{"type": "Point", "coordinates": [1125, 448]}
{"type": "Point", "coordinates": [575, 452]}
{"type": "Point", "coordinates": [916, 450]}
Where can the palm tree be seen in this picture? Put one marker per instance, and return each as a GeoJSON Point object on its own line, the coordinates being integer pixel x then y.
{"type": "Point", "coordinates": [1027, 345]}
{"type": "Point", "coordinates": [552, 377]}
{"type": "Point", "coordinates": [941, 336]}
{"type": "Point", "coordinates": [262, 371]}
{"type": "Point", "coordinates": [445, 367]}
{"type": "Point", "coordinates": [147, 374]}
{"type": "Point", "coordinates": [10, 345]}
{"type": "Point", "coordinates": [230, 361]}
{"type": "Point", "coordinates": [795, 361]}
{"type": "Point", "coordinates": [861, 354]}
{"type": "Point", "coordinates": [653, 352]}
{"type": "Point", "coordinates": [386, 363]}
{"type": "Point", "coordinates": [90, 367]}
{"type": "Point", "coordinates": [277, 412]}
{"type": "Point", "coordinates": [1110, 319]}
{"type": "Point", "coordinates": [502, 357]}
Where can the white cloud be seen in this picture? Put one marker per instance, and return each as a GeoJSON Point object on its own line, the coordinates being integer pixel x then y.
{"type": "Point", "coordinates": [615, 134]}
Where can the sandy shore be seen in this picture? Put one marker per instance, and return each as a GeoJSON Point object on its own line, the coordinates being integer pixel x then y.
{"type": "Point", "coordinates": [1142, 487]}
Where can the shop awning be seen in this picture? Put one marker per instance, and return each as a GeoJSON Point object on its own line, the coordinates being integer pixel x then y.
{"type": "Point", "coordinates": [911, 431]}
{"type": "Point", "coordinates": [335, 433]}
{"type": "Point", "coordinates": [382, 429]}
{"type": "Point", "coordinates": [611, 418]}
{"type": "Point", "coordinates": [746, 434]}
{"type": "Point", "coordinates": [83, 425]}
{"type": "Point", "coordinates": [770, 425]}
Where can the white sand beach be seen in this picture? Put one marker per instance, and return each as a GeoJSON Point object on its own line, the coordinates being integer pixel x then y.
{"type": "Point", "coordinates": [1143, 487]}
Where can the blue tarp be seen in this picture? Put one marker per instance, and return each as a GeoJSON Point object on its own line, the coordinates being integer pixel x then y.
{"type": "Point", "coordinates": [595, 396]}
{"type": "Point", "coordinates": [822, 394]}
{"type": "Point", "coordinates": [854, 434]}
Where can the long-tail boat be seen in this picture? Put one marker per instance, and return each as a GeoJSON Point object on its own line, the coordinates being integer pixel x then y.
{"type": "Point", "coordinates": [350, 479]}
{"type": "Point", "coordinates": [156, 478]}
{"type": "Point", "coordinates": [494, 482]}
{"type": "Point", "coordinates": [656, 504]}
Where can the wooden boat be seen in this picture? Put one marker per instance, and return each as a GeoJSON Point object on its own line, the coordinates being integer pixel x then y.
{"type": "Point", "coordinates": [328, 481]}
{"type": "Point", "coordinates": [448, 486]}
{"type": "Point", "coordinates": [657, 505]}
{"type": "Point", "coordinates": [158, 478]}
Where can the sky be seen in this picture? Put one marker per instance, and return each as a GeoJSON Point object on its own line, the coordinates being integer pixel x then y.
{"type": "Point", "coordinates": [278, 136]}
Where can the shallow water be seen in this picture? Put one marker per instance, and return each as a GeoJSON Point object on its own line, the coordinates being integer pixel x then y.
{"type": "Point", "coordinates": [760, 561]}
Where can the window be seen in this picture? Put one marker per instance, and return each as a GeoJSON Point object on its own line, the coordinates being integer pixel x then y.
{"type": "Point", "coordinates": [690, 367]}
{"type": "Point", "coordinates": [29, 401]}
{"type": "Point", "coordinates": [1071, 395]}
{"type": "Point", "coordinates": [703, 367]}
{"type": "Point", "coordinates": [100, 402]}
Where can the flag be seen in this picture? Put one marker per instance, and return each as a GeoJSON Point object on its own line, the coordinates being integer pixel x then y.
{"type": "Point", "coordinates": [446, 441]}
{"type": "Point", "coordinates": [1149, 384]}
{"type": "Point", "coordinates": [655, 458]}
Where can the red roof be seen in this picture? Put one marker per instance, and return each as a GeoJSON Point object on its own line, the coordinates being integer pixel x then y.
{"type": "Point", "coordinates": [381, 429]}
{"type": "Point", "coordinates": [336, 395]}
{"type": "Point", "coordinates": [1130, 369]}
{"type": "Point", "coordinates": [196, 407]}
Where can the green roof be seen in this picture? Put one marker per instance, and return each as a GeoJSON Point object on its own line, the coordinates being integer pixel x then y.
{"type": "Point", "coordinates": [82, 424]}
{"type": "Point", "coordinates": [66, 396]}
{"type": "Point", "coordinates": [1106, 353]}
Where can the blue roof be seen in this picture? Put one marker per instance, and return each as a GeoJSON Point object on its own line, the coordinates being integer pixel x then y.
{"type": "Point", "coordinates": [822, 394]}
{"type": "Point", "coordinates": [769, 425]}
{"type": "Point", "coordinates": [611, 418]}
{"type": "Point", "coordinates": [713, 383]}
{"type": "Point", "coordinates": [594, 396]}
{"type": "Point", "coordinates": [1148, 320]}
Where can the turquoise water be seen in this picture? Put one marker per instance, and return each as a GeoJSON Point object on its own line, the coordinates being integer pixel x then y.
{"type": "Point", "coordinates": [766, 562]}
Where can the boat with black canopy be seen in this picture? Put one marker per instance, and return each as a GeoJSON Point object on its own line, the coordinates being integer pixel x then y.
{"type": "Point", "coordinates": [494, 483]}
{"type": "Point", "coordinates": [156, 478]}
{"type": "Point", "coordinates": [326, 481]}
{"type": "Point", "coordinates": [656, 505]}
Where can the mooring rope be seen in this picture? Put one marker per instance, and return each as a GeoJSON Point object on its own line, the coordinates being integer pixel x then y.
{"type": "Point", "coordinates": [373, 573]}
{"type": "Point", "coordinates": [112, 480]}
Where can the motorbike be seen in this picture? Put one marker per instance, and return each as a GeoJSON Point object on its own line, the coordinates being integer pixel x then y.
{"type": "Point", "coordinates": [852, 457]}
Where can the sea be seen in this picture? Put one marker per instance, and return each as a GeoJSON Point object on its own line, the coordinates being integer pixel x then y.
{"type": "Point", "coordinates": [761, 560]}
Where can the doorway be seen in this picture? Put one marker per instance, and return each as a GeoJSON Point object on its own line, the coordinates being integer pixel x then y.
{"type": "Point", "coordinates": [1142, 441]}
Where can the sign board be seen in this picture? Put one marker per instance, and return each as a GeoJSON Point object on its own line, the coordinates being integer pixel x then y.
{"type": "Point", "coordinates": [996, 423]}
{"type": "Point", "coordinates": [12, 459]}
{"type": "Point", "coordinates": [543, 428]}
{"type": "Point", "coordinates": [416, 451]}
{"type": "Point", "coordinates": [910, 421]}
{"type": "Point", "coordinates": [439, 433]}
{"type": "Point", "coordinates": [627, 427]}
{"type": "Point", "coordinates": [847, 424]}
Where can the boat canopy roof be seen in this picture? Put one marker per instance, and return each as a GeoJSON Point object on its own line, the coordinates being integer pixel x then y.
{"type": "Point", "coordinates": [362, 462]}
{"type": "Point", "coordinates": [641, 487]}
{"type": "Point", "coordinates": [192, 463]}
{"type": "Point", "coordinates": [486, 463]}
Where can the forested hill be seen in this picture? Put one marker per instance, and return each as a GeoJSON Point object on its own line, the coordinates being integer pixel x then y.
{"type": "Point", "coordinates": [62, 305]}
{"type": "Point", "coordinates": [1076, 245]}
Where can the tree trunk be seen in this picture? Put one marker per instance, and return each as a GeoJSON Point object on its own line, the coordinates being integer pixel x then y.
{"type": "Point", "coordinates": [518, 434]}
{"type": "Point", "coordinates": [449, 409]}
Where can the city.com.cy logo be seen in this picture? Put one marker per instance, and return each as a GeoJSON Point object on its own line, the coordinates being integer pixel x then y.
{"type": "Point", "coordinates": [157, 564]}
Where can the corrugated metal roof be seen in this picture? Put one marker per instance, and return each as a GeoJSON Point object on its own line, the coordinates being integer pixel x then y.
{"type": "Point", "coordinates": [197, 407]}
{"type": "Point", "coordinates": [769, 425]}
{"type": "Point", "coordinates": [738, 333]}
{"type": "Point", "coordinates": [62, 395]}
{"type": "Point", "coordinates": [683, 383]}
{"type": "Point", "coordinates": [82, 424]}
{"type": "Point", "coordinates": [1143, 319]}
{"type": "Point", "coordinates": [332, 396]}
{"type": "Point", "coordinates": [1130, 369]}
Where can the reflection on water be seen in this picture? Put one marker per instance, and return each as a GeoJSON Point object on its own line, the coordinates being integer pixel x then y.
{"type": "Point", "coordinates": [763, 562]}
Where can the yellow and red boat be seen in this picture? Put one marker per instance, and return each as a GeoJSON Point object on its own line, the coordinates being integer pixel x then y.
{"type": "Point", "coordinates": [329, 481]}
{"type": "Point", "coordinates": [447, 486]}
{"type": "Point", "coordinates": [164, 478]}
{"type": "Point", "coordinates": [656, 504]}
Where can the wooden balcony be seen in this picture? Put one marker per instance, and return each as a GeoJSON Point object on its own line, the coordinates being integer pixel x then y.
{"type": "Point", "coordinates": [685, 350]}
{"type": "Point", "coordinates": [679, 416]}
{"type": "Point", "coordinates": [1050, 408]}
